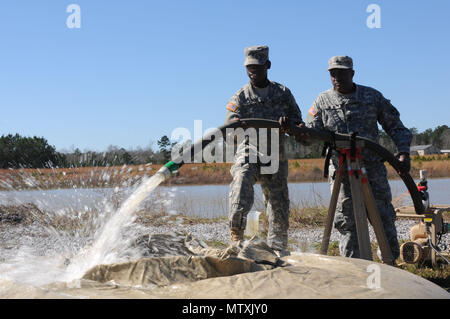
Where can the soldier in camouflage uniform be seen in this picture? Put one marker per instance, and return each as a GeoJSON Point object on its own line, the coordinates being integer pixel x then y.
{"type": "Point", "coordinates": [260, 98]}
{"type": "Point", "coordinates": [353, 108]}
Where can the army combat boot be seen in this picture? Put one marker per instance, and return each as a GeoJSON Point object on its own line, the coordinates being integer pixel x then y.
{"type": "Point", "coordinates": [236, 235]}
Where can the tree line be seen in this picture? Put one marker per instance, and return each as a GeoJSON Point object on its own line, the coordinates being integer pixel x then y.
{"type": "Point", "coordinates": [17, 151]}
{"type": "Point", "coordinates": [439, 137]}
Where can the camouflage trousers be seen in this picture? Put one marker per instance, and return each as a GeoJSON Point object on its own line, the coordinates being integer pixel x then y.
{"type": "Point", "coordinates": [276, 200]}
{"type": "Point", "coordinates": [344, 220]}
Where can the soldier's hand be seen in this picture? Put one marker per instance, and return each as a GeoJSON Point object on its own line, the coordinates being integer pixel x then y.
{"type": "Point", "coordinates": [243, 123]}
{"type": "Point", "coordinates": [284, 125]}
{"type": "Point", "coordinates": [303, 138]}
{"type": "Point", "coordinates": [405, 162]}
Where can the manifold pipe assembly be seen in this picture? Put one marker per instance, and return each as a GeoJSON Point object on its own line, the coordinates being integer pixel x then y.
{"type": "Point", "coordinates": [315, 134]}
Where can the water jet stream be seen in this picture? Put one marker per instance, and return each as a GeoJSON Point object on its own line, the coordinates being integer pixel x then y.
{"type": "Point", "coordinates": [105, 248]}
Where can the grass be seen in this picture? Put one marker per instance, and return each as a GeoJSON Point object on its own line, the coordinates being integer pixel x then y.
{"type": "Point", "coordinates": [216, 244]}
{"type": "Point", "coordinates": [429, 158]}
{"type": "Point", "coordinates": [304, 170]}
{"type": "Point", "coordinates": [308, 217]}
{"type": "Point", "coordinates": [80, 177]}
{"type": "Point", "coordinates": [161, 218]}
{"type": "Point", "coordinates": [300, 217]}
{"type": "Point", "coordinates": [440, 276]}
{"type": "Point", "coordinates": [435, 165]}
{"type": "Point", "coordinates": [300, 170]}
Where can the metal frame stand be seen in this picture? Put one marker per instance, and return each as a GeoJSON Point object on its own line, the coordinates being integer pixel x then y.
{"type": "Point", "coordinates": [364, 207]}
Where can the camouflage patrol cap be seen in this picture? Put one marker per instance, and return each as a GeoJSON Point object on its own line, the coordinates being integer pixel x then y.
{"type": "Point", "coordinates": [340, 62]}
{"type": "Point", "coordinates": [256, 55]}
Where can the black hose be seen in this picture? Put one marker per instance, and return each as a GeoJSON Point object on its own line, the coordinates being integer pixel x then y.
{"type": "Point", "coordinates": [208, 138]}
{"type": "Point", "coordinates": [380, 151]}
{"type": "Point", "coordinates": [322, 135]}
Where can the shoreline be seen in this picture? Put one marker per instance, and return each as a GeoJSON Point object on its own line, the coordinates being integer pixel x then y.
{"type": "Point", "coordinates": [300, 171]}
{"type": "Point", "coordinates": [169, 184]}
{"type": "Point", "coordinates": [178, 184]}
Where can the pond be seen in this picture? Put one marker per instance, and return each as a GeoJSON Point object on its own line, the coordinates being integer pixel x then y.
{"type": "Point", "coordinates": [200, 200]}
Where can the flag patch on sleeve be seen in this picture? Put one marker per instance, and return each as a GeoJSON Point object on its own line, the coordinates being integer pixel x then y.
{"type": "Point", "coordinates": [232, 107]}
{"type": "Point", "coordinates": [312, 111]}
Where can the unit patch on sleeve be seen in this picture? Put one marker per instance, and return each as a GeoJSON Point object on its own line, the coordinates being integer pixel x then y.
{"type": "Point", "coordinates": [313, 111]}
{"type": "Point", "coordinates": [232, 107]}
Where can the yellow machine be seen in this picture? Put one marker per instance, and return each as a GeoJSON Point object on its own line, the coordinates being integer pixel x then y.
{"type": "Point", "coordinates": [425, 245]}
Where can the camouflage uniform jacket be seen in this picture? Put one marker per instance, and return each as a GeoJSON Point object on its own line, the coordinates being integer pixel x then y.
{"type": "Point", "coordinates": [359, 112]}
{"type": "Point", "coordinates": [246, 103]}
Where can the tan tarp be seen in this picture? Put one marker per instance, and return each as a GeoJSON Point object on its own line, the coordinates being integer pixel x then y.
{"type": "Point", "coordinates": [310, 276]}
{"type": "Point", "coordinates": [165, 271]}
{"type": "Point", "coordinates": [231, 274]}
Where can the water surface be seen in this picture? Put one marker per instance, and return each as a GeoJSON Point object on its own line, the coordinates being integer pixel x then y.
{"type": "Point", "coordinates": [201, 200]}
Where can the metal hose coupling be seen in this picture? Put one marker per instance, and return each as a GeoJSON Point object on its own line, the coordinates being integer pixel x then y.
{"type": "Point", "coordinates": [168, 169]}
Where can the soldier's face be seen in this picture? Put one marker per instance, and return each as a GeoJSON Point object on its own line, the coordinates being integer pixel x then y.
{"type": "Point", "coordinates": [257, 74]}
{"type": "Point", "coordinates": [342, 79]}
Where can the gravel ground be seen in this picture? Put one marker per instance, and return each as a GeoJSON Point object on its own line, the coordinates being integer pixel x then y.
{"type": "Point", "coordinates": [305, 239]}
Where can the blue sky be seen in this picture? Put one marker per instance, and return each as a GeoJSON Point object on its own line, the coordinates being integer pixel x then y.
{"type": "Point", "coordinates": [136, 70]}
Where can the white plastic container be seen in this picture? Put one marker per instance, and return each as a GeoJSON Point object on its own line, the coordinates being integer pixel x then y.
{"type": "Point", "coordinates": [252, 227]}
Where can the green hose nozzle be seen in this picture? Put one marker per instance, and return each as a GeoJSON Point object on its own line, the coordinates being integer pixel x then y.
{"type": "Point", "coordinates": [173, 167]}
